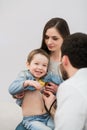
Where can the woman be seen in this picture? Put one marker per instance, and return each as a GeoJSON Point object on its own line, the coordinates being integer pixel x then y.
{"type": "Point", "coordinates": [54, 32]}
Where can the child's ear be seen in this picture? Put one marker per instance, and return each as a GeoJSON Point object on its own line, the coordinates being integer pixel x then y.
{"type": "Point", "coordinates": [27, 65]}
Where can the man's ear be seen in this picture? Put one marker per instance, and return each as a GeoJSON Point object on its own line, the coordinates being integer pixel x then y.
{"type": "Point", "coordinates": [65, 60]}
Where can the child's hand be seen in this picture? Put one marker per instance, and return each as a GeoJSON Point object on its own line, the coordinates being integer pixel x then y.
{"type": "Point", "coordinates": [33, 83]}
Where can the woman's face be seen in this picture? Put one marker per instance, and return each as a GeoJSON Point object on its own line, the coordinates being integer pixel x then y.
{"type": "Point", "coordinates": [53, 39]}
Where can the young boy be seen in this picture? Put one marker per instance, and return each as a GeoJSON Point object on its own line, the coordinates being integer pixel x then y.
{"type": "Point", "coordinates": [31, 82]}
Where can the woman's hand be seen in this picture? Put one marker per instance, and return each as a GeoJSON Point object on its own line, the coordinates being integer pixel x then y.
{"type": "Point", "coordinates": [19, 96]}
{"type": "Point", "coordinates": [51, 87]}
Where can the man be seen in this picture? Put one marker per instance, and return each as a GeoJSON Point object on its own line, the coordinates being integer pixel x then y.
{"type": "Point", "coordinates": [71, 113]}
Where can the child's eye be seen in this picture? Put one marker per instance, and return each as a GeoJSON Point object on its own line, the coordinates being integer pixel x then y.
{"type": "Point", "coordinates": [45, 65]}
{"type": "Point", "coordinates": [36, 63]}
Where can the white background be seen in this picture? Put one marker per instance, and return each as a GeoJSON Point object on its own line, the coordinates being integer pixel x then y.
{"type": "Point", "coordinates": [21, 26]}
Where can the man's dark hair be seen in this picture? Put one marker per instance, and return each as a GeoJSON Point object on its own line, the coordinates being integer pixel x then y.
{"type": "Point", "coordinates": [75, 47]}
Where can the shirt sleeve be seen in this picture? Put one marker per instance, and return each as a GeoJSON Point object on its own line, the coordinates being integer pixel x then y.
{"type": "Point", "coordinates": [51, 77]}
{"type": "Point", "coordinates": [17, 85]}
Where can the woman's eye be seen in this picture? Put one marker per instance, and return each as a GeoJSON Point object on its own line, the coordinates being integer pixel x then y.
{"type": "Point", "coordinates": [46, 37]}
{"type": "Point", "coordinates": [55, 38]}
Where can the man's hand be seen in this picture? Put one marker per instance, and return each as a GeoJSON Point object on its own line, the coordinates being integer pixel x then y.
{"type": "Point", "coordinates": [49, 98]}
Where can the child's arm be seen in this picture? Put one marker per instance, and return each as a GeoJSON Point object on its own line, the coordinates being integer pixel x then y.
{"type": "Point", "coordinates": [27, 83]}
{"type": "Point", "coordinates": [17, 85]}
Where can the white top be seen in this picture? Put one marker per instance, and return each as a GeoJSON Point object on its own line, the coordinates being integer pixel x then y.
{"type": "Point", "coordinates": [71, 112]}
{"type": "Point", "coordinates": [54, 67]}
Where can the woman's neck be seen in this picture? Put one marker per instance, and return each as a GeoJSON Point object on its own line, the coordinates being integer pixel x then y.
{"type": "Point", "coordinates": [55, 56]}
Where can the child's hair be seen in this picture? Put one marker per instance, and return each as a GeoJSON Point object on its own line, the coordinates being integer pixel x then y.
{"type": "Point", "coordinates": [37, 51]}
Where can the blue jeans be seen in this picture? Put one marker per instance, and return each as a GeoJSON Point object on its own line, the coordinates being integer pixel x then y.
{"type": "Point", "coordinates": [37, 122]}
{"type": "Point", "coordinates": [20, 127]}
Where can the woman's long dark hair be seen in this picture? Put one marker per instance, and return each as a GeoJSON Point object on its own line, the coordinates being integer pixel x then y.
{"type": "Point", "coordinates": [60, 25]}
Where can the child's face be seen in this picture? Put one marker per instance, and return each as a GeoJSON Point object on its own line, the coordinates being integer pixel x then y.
{"type": "Point", "coordinates": [38, 66]}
